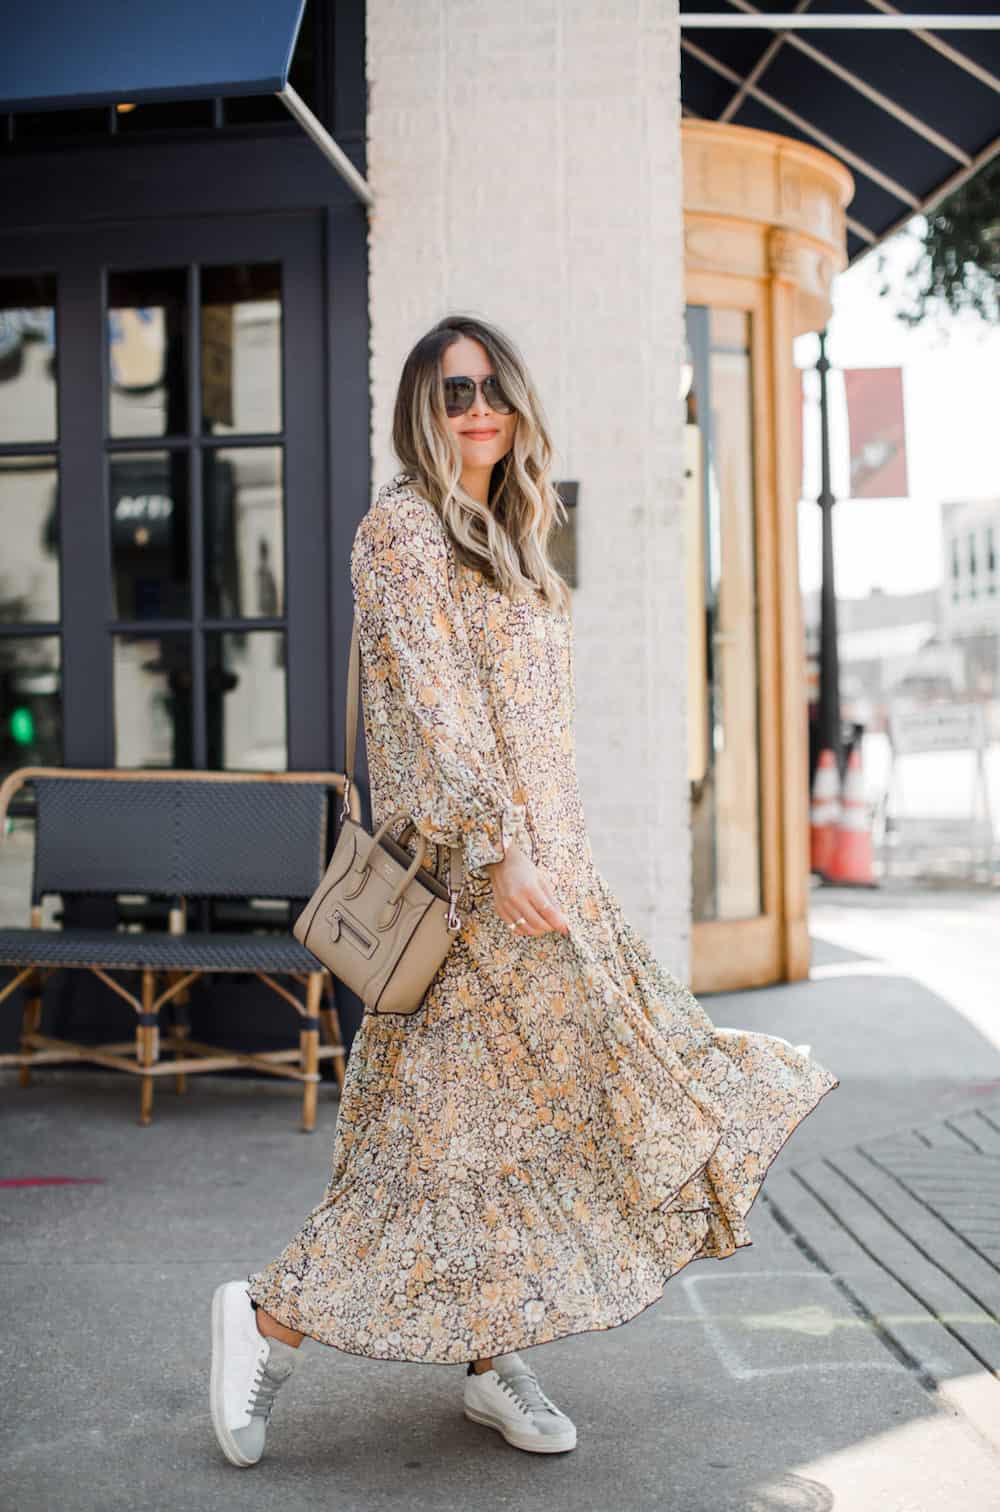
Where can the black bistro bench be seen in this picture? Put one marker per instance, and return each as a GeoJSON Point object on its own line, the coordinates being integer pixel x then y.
{"type": "Point", "coordinates": [175, 835]}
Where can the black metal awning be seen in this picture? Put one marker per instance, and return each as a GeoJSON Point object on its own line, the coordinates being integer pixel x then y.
{"type": "Point", "coordinates": [64, 54]}
{"type": "Point", "coordinates": [907, 99]}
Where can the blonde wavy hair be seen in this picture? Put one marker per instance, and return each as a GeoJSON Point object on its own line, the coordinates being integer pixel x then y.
{"type": "Point", "coordinates": [506, 539]}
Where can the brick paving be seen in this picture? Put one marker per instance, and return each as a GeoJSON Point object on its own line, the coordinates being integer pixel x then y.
{"type": "Point", "coordinates": [907, 1227]}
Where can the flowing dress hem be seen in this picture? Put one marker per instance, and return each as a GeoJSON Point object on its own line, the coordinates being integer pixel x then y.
{"type": "Point", "coordinates": [289, 1319]}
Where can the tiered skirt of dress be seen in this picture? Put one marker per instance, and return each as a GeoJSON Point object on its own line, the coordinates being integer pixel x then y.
{"type": "Point", "coordinates": [561, 1127]}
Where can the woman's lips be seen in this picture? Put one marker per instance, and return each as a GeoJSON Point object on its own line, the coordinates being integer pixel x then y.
{"type": "Point", "coordinates": [483, 435]}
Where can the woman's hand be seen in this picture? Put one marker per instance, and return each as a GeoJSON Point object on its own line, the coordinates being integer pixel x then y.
{"type": "Point", "coordinates": [523, 890]}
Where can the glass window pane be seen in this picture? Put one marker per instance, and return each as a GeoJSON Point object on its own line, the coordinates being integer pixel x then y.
{"type": "Point", "coordinates": [30, 702]}
{"type": "Point", "coordinates": [241, 349]}
{"type": "Point", "coordinates": [28, 358]}
{"type": "Point", "coordinates": [150, 535]}
{"type": "Point", "coordinates": [725, 753]}
{"type": "Point", "coordinates": [244, 533]}
{"type": "Point", "coordinates": [152, 701]}
{"type": "Point", "coordinates": [29, 530]}
{"type": "Point", "coordinates": [147, 352]}
{"type": "Point", "coordinates": [246, 701]}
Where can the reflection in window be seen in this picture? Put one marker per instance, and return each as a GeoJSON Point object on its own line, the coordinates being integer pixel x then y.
{"type": "Point", "coordinates": [30, 702]}
{"type": "Point", "coordinates": [246, 701]}
{"type": "Point", "coordinates": [244, 533]}
{"type": "Point", "coordinates": [28, 358]}
{"type": "Point", "coordinates": [720, 559]}
{"type": "Point", "coordinates": [152, 701]}
{"type": "Point", "coordinates": [150, 535]}
{"type": "Point", "coordinates": [29, 531]}
{"type": "Point", "coordinates": [147, 339]}
{"type": "Point", "coordinates": [241, 349]}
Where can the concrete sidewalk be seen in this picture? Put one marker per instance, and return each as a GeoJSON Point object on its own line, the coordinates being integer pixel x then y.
{"type": "Point", "coordinates": [848, 1359]}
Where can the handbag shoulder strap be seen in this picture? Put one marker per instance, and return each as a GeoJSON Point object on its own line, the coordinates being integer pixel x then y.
{"type": "Point", "coordinates": [456, 866]}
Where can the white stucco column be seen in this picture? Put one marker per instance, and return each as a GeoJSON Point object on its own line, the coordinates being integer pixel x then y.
{"type": "Point", "coordinates": [527, 169]}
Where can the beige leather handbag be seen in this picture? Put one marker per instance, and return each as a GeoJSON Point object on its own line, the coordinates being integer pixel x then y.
{"type": "Point", "coordinates": [379, 919]}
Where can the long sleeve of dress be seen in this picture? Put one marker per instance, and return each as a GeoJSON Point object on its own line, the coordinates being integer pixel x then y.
{"type": "Point", "coordinates": [428, 702]}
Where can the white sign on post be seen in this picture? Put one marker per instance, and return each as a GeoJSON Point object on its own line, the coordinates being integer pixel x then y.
{"type": "Point", "coordinates": [944, 726]}
{"type": "Point", "coordinates": [925, 728]}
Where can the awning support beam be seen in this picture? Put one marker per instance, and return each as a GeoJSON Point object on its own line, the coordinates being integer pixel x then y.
{"type": "Point", "coordinates": [712, 21]}
{"type": "Point", "coordinates": [828, 143]}
{"type": "Point", "coordinates": [891, 107]}
{"type": "Point", "coordinates": [311, 124]}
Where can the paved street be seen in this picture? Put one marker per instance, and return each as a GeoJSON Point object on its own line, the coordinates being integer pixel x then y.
{"type": "Point", "coordinates": [850, 1358]}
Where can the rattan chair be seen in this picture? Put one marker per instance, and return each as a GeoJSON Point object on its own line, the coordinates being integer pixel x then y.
{"type": "Point", "coordinates": [175, 835]}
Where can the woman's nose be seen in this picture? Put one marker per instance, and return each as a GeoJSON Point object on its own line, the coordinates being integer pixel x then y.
{"type": "Point", "coordinates": [479, 405]}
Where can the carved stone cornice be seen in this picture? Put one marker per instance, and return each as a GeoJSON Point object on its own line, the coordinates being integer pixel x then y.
{"type": "Point", "coordinates": [762, 205]}
{"type": "Point", "coordinates": [782, 253]}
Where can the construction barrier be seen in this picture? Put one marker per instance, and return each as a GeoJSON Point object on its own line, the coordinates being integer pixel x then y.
{"type": "Point", "coordinates": [824, 813]}
{"type": "Point", "coordinates": [851, 861]}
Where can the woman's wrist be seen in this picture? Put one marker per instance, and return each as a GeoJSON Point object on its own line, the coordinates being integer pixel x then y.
{"type": "Point", "coordinates": [492, 866]}
{"type": "Point", "coordinates": [507, 827]}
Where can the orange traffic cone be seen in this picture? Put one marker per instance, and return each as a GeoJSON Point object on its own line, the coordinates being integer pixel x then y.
{"type": "Point", "coordinates": [825, 812]}
{"type": "Point", "coordinates": [851, 862]}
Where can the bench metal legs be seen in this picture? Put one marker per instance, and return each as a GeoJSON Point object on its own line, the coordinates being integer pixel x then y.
{"type": "Point", "coordinates": [144, 1056]}
{"type": "Point", "coordinates": [180, 1026]}
{"type": "Point", "coordinates": [331, 1023]}
{"type": "Point", "coordinates": [309, 1050]}
{"type": "Point", "coordinates": [147, 1046]}
{"type": "Point", "coordinates": [31, 1022]}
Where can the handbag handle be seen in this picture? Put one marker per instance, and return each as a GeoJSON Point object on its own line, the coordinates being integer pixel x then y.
{"type": "Point", "coordinates": [456, 869]}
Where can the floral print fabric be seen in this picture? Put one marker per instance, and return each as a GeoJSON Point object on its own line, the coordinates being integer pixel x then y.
{"type": "Point", "coordinates": [560, 1128]}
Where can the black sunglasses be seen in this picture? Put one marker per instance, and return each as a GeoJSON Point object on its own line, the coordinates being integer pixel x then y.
{"type": "Point", "coordinates": [460, 392]}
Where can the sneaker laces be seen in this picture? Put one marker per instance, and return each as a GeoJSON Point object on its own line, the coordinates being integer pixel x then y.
{"type": "Point", "coordinates": [528, 1394]}
{"type": "Point", "coordinates": [269, 1376]}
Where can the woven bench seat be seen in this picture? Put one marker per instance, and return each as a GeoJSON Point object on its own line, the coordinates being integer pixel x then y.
{"type": "Point", "coordinates": [235, 839]}
{"type": "Point", "coordinates": [215, 951]}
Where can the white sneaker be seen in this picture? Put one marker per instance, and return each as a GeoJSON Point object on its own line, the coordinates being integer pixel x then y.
{"type": "Point", "coordinates": [509, 1398]}
{"type": "Point", "coordinates": [247, 1372]}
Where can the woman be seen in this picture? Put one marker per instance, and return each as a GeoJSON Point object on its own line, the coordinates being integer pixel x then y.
{"type": "Point", "coordinates": [560, 1128]}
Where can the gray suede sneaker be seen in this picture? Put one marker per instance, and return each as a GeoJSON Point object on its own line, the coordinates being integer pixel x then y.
{"type": "Point", "coordinates": [509, 1398]}
{"type": "Point", "coordinates": [248, 1370]}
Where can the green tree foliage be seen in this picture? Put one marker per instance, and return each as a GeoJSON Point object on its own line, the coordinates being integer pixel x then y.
{"type": "Point", "coordinates": [957, 268]}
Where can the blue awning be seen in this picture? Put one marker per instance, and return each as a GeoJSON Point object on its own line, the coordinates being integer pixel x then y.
{"type": "Point", "coordinates": [66, 54]}
{"type": "Point", "coordinates": [62, 54]}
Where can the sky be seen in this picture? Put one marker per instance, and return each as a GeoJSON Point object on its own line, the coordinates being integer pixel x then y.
{"type": "Point", "coordinates": [951, 402]}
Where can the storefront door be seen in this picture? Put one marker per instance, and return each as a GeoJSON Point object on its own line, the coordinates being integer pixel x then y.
{"type": "Point", "coordinates": [733, 751]}
{"type": "Point", "coordinates": [164, 590]}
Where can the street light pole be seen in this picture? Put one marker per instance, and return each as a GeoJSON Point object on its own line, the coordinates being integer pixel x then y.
{"type": "Point", "coordinates": [829, 727]}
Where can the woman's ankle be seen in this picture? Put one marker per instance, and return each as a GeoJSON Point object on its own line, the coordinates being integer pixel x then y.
{"type": "Point", "coordinates": [272, 1329]}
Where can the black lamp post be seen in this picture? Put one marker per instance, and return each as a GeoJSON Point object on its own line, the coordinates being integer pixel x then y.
{"type": "Point", "coordinates": [829, 735]}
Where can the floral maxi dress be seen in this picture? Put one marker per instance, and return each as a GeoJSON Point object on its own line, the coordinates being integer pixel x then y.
{"type": "Point", "coordinates": [560, 1128]}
